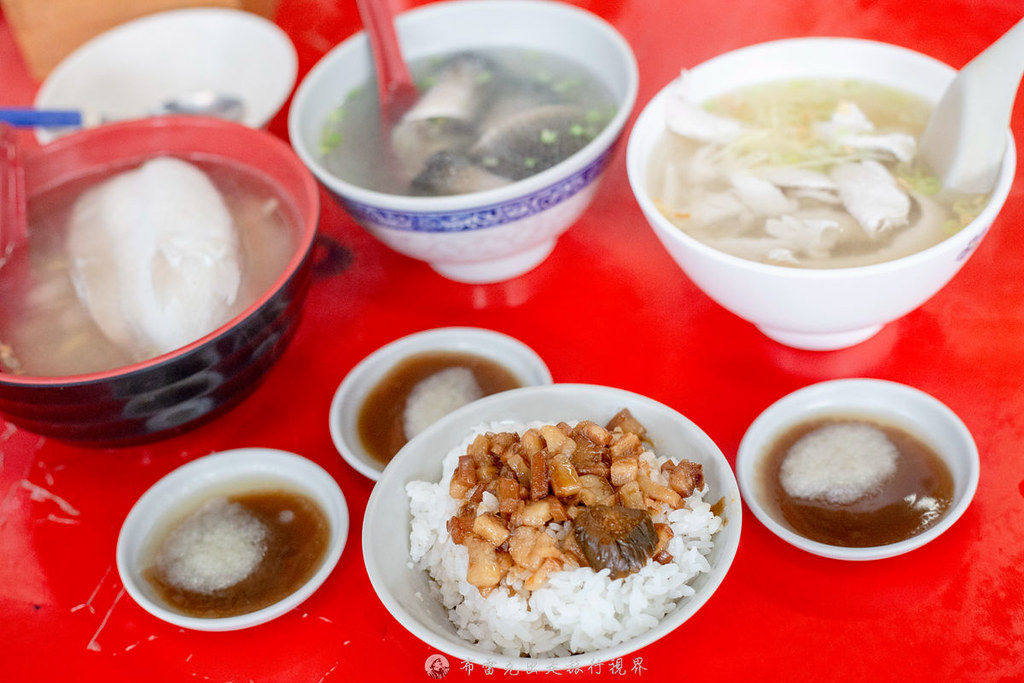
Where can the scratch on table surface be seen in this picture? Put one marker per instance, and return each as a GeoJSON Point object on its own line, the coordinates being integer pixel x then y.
{"type": "Point", "coordinates": [40, 495]}
{"type": "Point", "coordinates": [47, 472]}
{"type": "Point", "coordinates": [88, 603]}
{"type": "Point", "coordinates": [94, 644]}
{"type": "Point", "coordinates": [328, 672]}
{"type": "Point", "coordinates": [61, 520]}
{"type": "Point", "coordinates": [329, 621]}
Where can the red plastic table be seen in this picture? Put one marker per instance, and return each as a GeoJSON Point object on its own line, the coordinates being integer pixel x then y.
{"type": "Point", "coordinates": [951, 611]}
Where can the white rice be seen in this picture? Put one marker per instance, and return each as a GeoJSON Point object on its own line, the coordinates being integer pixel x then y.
{"type": "Point", "coordinates": [574, 611]}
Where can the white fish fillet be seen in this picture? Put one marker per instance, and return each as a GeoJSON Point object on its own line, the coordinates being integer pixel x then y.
{"type": "Point", "coordinates": [812, 236]}
{"type": "Point", "coordinates": [154, 256]}
{"type": "Point", "coordinates": [762, 196]}
{"type": "Point", "coordinates": [871, 195]}
{"type": "Point", "coordinates": [849, 127]}
{"type": "Point", "coordinates": [687, 118]}
{"type": "Point", "coordinates": [795, 177]}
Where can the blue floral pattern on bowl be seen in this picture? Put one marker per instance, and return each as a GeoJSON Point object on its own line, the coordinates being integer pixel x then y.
{"type": "Point", "coordinates": [483, 217]}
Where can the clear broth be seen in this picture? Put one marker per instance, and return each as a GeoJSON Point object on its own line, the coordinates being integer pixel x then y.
{"type": "Point", "coordinates": [44, 328]}
{"type": "Point", "coordinates": [351, 144]}
{"type": "Point", "coordinates": [789, 110]}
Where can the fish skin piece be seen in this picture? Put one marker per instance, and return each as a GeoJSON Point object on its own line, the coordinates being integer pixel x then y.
{"type": "Point", "coordinates": [448, 173]}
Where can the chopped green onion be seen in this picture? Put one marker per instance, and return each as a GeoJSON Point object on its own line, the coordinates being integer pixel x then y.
{"type": "Point", "coordinates": [329, 141]}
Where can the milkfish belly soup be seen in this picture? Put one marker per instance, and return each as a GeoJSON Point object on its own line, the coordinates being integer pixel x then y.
{"type": "Point", "coordinates": [484, 119]}
{"type": "Point", "coordinates": [814, 174]}
{"type": "Point", "coordinates": [136, 262]}
{"type": "Point", "coordinates": [547, 540]}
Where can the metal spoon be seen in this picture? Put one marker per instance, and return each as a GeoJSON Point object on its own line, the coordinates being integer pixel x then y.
{"type": "Point", "coordinates": [203, 103]}
{"type": "Point", "coordinates": [193, 103]}
{"type": "Point", "coordinates": [965, 138]}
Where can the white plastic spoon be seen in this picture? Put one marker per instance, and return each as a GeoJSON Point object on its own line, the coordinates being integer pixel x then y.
{"type": "Point", "coordinates": [965, 138]}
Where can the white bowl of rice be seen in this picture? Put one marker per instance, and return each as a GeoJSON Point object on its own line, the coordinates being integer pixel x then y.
{"type": "Point", "coordinates": [577, 617]}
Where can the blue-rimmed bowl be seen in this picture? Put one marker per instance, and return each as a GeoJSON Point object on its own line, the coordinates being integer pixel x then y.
{"type": "Point", "coordinates": [492, 235]}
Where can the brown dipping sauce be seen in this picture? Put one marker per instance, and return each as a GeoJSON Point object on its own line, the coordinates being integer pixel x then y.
{"type": "Point", "coordinates": [380, 421]}
{"type": "Point", "coordinates": [294, 552]}
{"type": "Point", "coordinates": [904, 505]}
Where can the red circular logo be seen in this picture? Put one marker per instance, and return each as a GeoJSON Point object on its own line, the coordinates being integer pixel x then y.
{"type": "Point", "coordinates": [437, 666]}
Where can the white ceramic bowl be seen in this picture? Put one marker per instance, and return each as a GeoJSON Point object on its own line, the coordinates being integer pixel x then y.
{"type": "Point", "coordinates": [240, 470]}
{"type": "Point", "coordinates": [887, 402]}
{"type": "Point", "coordinates": [405, 590]}
{"type": "Point", "coordinates": [816, 309]}
{"type": "Point", "coordinates": [348, 400]}
{"type": "Point", "coordinates": [127, 71]}
{"type": "Point", "coordinates": [492, 235]}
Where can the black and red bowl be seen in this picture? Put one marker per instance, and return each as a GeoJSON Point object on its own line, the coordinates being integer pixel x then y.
{"type": "Point", "coordinates": [179, 390]}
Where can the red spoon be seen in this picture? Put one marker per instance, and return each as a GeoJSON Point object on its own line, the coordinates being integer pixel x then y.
{"type": "Point", "coordinates": [394, 82]}
{"type": "Point", "coordinates": [13, 203]}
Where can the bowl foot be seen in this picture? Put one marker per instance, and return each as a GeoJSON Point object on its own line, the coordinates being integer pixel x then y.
{"type": "Point", "coordinates": [496, 270]}
{"type": "Point", "coordinates": [820, 341]}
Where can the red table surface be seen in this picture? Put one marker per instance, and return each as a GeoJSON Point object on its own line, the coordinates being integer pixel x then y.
{"type": "Point", "coordinates": [951, 611]}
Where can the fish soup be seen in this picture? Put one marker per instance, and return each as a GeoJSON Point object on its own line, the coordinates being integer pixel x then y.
{"type": "Point", "coordinates": [819, 173]}
{"type": "Point", "coordinates": [48, 329]}
{"type": "Point", "coordinates": [484, 119]}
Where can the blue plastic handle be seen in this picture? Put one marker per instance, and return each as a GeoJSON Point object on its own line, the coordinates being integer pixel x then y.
{"type": "Point", "coordinates": [43, 118]}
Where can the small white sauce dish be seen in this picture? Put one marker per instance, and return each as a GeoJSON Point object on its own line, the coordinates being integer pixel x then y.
{"type": "Point", "coordinates": [514, 355]}
{"type": "Point", "coordinates": [915, 411]}
{"type": "Point", "coordinates": [234, 471]}
{"type": "Point", "coordinates": [131, 69]}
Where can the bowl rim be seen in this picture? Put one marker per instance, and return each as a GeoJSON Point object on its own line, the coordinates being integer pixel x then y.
{"type": "Point", "coordinates": [369, 371]}
{"type": "Point", "coordinates": [191, 483]}
{"type": "Point", "coordinates": [726, 546]}
{"type": "Point", "coordinates": [828, 398]}
{"type": "Point", "coordinates": [649, 127]}
{"type": "Point", "coordinates": [178, 125]}
{"type": "Point", "coordinates": [546, 179]}
{"type": "Point", "coordinates": [182, 16]}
